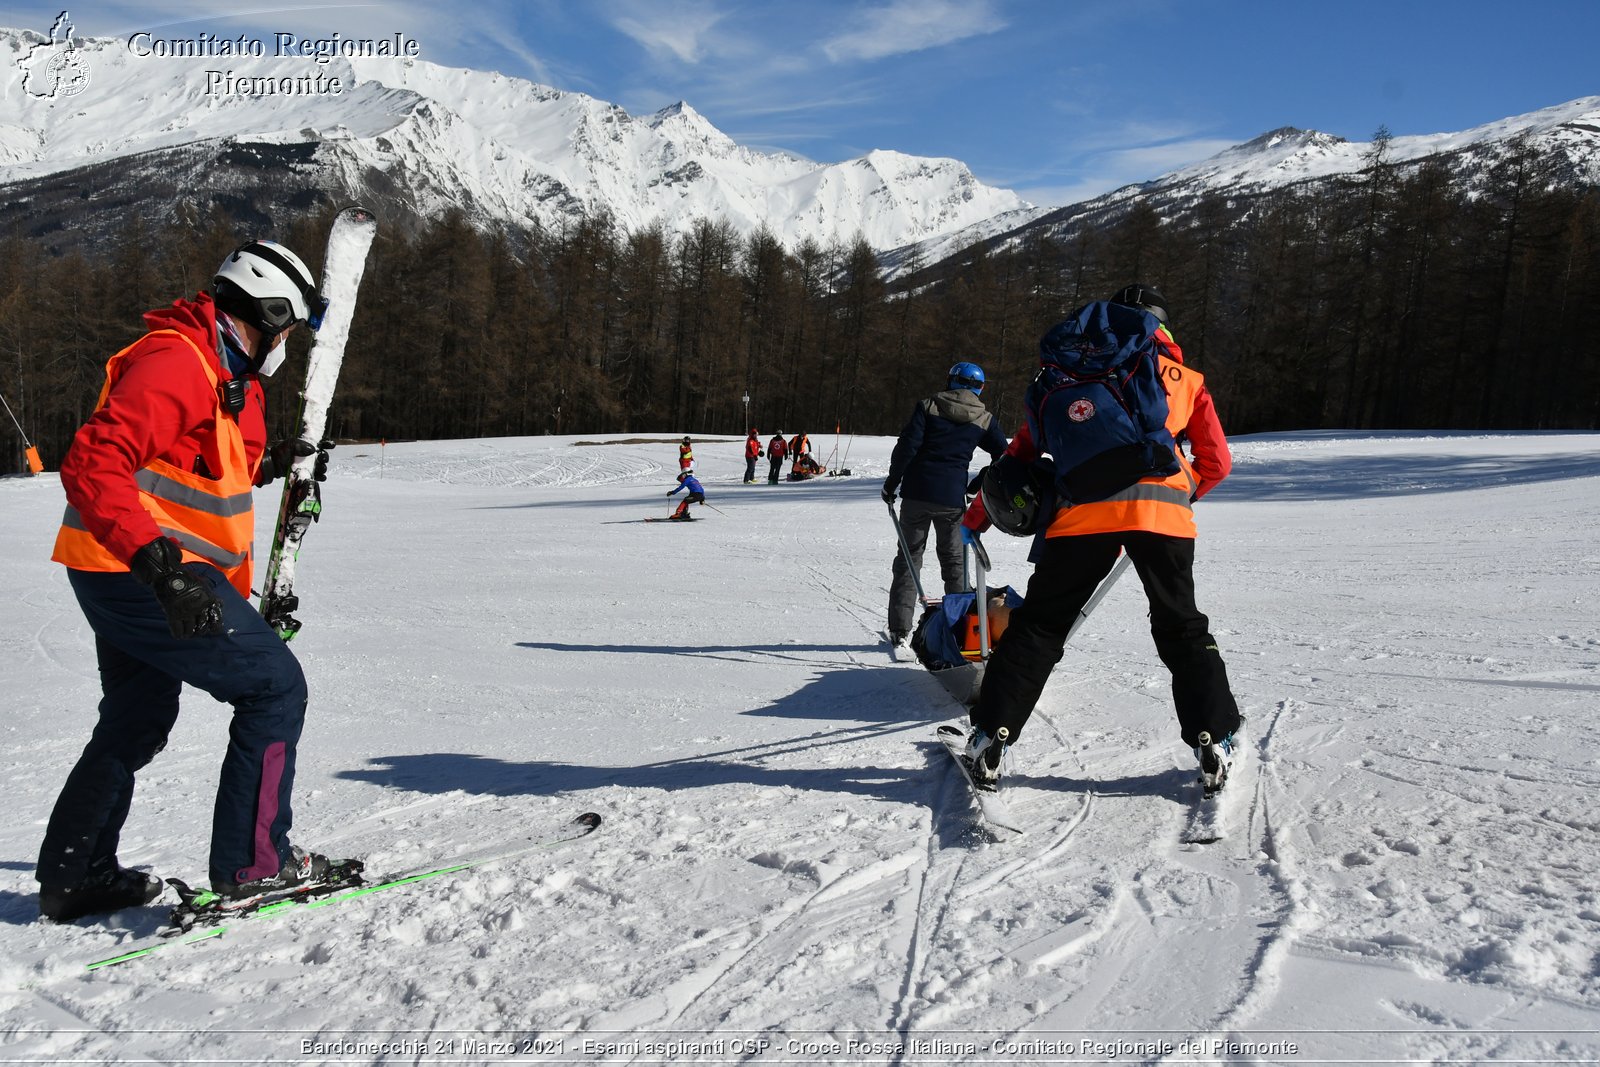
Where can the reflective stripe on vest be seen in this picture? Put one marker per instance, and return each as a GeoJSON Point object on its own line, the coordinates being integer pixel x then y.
{"type": "Point", "coordinates": [213, 521]}
{"type": "Point", "coordinates": [1157, 505]}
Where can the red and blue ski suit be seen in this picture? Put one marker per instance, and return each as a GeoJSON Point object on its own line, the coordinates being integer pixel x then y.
{"type": "Point", "coordinates": [162, 455]}
{"type": "Point", "coordinates": [697, 494]}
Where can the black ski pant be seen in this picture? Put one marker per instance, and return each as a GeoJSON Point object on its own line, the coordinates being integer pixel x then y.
{"type": "Point", "coordinates": [1063, 581]}
{"type": "Point", "coordinates": [774, 468]}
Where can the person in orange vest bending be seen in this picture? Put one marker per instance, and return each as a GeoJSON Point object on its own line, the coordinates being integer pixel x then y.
{"type": "Point", "coordinates": [1150, 518]}
{"type": "Point", "coordinates": [157, 544]}
{"type": "Point", "coordinates": [799, 448]}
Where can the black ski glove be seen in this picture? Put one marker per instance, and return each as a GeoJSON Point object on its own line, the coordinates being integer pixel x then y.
{"type": "Point", "coordinates": [193, 610]}
{"type": "Point", "coordinates": [888, 495]}
{"type": "Point", "coordinates": [281, 456]}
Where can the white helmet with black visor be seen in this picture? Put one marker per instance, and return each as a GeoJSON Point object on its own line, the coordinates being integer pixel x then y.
{"type": "Point", "coordinates": [266, 286]}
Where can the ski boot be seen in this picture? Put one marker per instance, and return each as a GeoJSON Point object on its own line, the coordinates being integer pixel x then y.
{"type": "Point", "coordinates": [301, 870]}
{"type": "Point", "coordinates": [112, 890]}
{"type": "Point", "coordinates": [1216, 758]}
{"type": "Point", "coordinates": [987, 756]}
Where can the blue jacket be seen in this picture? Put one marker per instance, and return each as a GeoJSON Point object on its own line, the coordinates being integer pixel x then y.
{"type": "Point", "coordinates": [930, 459]}
{"type": "Point", "coordinates": [691, 483]}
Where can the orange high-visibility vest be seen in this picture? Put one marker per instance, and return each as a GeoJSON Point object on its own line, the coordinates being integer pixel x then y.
{"type": "Point", "coordinates": [213, 521]}
{"type": "Point", "coordinates": [1159, 505]}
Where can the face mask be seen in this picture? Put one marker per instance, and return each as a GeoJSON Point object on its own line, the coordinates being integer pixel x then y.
{"type": "Point", "coordinates": [274, 360]}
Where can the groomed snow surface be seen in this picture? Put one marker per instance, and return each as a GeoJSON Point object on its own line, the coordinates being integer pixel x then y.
{"type": "Point", "coordinates": [495, 642]}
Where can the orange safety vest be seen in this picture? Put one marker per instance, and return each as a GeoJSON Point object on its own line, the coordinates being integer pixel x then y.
{"type": "Point", "coordinates": [1159, 505]}
{"type": "Point", "coordinates": [213, 521]}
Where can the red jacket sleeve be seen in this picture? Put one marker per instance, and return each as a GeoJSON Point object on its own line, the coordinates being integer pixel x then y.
{"type": "Point", "coordinates": [1021, 446]}
{"type": "Point", "coordinates": [161, 397]}
{"type": "Point", "coordinates": [1212, 461]}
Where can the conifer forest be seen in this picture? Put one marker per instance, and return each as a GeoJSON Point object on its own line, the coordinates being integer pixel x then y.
{"type": "Point", "coordinates": [1412, 298]}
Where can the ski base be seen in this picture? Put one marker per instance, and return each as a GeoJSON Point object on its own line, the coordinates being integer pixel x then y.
{"type": "Point", "coordinates": [996, 815]}
{"type": "Point", "coordinates": [1207, 822]}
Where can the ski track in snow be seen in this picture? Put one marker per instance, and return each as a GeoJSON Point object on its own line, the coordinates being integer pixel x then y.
{"type": "Point", "coordinates": [494, 643]}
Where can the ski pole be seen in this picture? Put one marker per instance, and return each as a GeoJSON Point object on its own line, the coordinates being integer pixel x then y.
{"type": "Point", "coordinates": [1100, 593]}
{"type": "Point", "coordinates": [34, 463]}
{"type": "Point", "coordinates": [905, 551]}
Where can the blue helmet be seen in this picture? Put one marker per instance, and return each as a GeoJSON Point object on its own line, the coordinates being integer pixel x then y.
{"type": "Point", "coordinates": [966, 376]}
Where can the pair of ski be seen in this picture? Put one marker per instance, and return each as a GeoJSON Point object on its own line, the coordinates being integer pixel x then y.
{"type": "Point", "coordinates": [343, 264]}
{"type": "Point", "coordinates": [1207, 819]}
{"type": "Point", "coordinates": [1205, 823]}
{"type": "Point", "coordinates": [201, 915]}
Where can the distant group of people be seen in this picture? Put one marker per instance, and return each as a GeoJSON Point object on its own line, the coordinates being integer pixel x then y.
{"type": "Point", "coordinates": [775, 451]}
{"type": "Point", "coordinates": [157, 533]}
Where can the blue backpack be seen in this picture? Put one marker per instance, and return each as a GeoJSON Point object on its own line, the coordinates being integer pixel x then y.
{"type": "Point", "coordinates": [1098, 406]}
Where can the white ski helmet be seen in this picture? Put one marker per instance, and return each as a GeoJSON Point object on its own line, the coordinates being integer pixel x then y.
{"type": "Point", "coordinates": [265, 285]}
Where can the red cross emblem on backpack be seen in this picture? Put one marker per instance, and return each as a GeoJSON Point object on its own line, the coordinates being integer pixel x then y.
{"type": "Point", "coordinates": [1080, 410]}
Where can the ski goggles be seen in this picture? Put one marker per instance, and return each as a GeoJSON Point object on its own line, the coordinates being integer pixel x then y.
{"type": "Point", "coordinates": [278, 313]}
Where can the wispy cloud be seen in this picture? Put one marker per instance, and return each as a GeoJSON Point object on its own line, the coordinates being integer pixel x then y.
{"type": "Point", "coordinates": [911, 26]}
{"type": "Point", "coordinates": [1101, 171]}
{"type": "Point", "coordinates": [669, 30]}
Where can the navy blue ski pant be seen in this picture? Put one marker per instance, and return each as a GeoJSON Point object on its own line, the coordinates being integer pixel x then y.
{"type": "Point", "coordinates": [1065, 578]}
{"type": "Point", "coordinates": [142, 669]}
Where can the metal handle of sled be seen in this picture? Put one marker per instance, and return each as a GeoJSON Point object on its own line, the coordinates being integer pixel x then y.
{"type": "Point", "coordinates": [1100, 593]}
{"type": "Point", "coordinates": [981, 568]}
{"type": "Point", "coordinates": [905, 552]}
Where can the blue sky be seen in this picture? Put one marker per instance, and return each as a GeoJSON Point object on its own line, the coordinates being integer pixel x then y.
{"type": "Point", "coordinates": [1057, 99]}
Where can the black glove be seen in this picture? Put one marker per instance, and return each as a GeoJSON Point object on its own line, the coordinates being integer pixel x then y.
{"type": "Point", "coordinates": [888, 495]}
{"type": "Point", "coordinates": [193, 610]}
{"type": "Point", "coordinates": [281, 456]}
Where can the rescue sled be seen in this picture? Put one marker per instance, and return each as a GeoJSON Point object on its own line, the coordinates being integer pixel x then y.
{"type": "Point", "coordinates": [957, 632]}
{"type": "Point", "coordinates": [955, 636]}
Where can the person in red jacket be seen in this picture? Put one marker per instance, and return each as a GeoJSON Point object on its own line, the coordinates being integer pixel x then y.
{"type": "Point", "coordinates": [752, 452]}
{"type": "Point", "coordinates": [156, 539]}
{"type": "Point", "coordinates": [777, 448]}
{"type": "Point", "coordinates": [1153, 522]}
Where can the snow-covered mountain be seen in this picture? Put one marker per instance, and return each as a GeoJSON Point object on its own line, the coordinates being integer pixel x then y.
{"type": "Point", "coordinates": [425, 137]}
{"type": "Point", "coordinates": [1568, 133]}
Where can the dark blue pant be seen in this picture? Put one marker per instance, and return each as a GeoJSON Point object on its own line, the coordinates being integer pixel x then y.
{"type": "Point", "coordinates": [1062, 583]}
{"type": "Point", "coordinates": [142, 669]}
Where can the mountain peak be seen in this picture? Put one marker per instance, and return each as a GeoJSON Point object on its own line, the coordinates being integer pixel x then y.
{"type": "Point", "coordinates": [1291, 135]}
{"type": "Point", "coordinates": [499, 147]}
